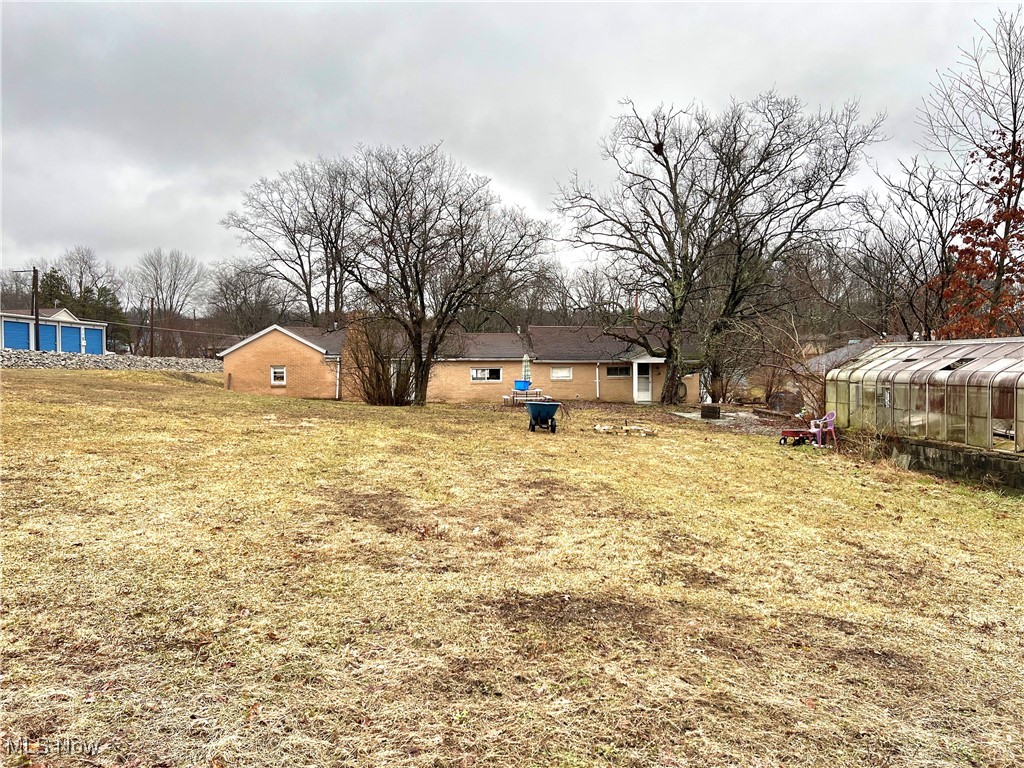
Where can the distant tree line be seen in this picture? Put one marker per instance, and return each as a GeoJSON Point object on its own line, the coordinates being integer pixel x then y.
{"type": "Point", "coordinates": [736, 231]}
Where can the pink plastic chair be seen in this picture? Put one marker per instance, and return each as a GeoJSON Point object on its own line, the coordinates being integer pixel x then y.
{"type": "Point", "coordinates": [823, 427]}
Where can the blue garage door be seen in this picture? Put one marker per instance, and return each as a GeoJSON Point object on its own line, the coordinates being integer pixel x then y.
{"type": "Point", "coordinates": [93, 341]}
{"type": "Point", "coordinates": [15, 335]}
{"type": "Point", "coordinates": [70, 339]}
{"type": "Point", "coordinates": [48, 337]}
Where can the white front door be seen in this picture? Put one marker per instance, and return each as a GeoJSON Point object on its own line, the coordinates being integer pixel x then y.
{"type": "Point", "coordinates": [642, 382]}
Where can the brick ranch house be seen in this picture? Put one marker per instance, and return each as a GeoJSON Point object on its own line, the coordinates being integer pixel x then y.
{"type": "Point", "coordinates": [567, 363]}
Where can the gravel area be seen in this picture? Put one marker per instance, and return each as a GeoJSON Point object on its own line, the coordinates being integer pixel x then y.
{"type": "Point", "coordinates": [18, 358]}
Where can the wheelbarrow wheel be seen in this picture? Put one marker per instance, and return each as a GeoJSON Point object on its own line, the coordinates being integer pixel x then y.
{"type": "Point", "coordinates": [533, 426]}
{"type": "Point", "coordinates": [553, 426]}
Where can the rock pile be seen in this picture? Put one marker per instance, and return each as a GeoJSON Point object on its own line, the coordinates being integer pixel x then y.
{"type": "Point", "coordinates": [20, 358]}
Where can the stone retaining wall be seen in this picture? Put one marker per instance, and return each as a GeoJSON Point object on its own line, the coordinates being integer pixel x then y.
{"type": "Point", "coordinates": [19, 358]}
{"type": "Point", "coordinates": [957, 461]}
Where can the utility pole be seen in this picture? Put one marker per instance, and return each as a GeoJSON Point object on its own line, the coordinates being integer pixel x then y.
{"type": "Point", "coordinates": [152, 338]}
{"type": "Point", "coordinates": [35, 301]}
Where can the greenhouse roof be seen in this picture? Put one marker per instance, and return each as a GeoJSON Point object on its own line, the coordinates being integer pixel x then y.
{"type": "Point", "coordinates": [963, 391]}
{"type": "Point", "coordinates": [920, 359]}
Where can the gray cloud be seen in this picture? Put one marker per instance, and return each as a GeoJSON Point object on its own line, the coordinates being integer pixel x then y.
{"type": "Point", "coordinates": [126, 127]}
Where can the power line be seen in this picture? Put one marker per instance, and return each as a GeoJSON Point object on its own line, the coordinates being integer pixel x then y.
{"type": "Point", "coordinates": [173, 330]}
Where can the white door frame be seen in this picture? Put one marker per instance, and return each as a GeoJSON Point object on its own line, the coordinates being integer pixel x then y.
{"type": "Point", "coordinates": [651, 362]}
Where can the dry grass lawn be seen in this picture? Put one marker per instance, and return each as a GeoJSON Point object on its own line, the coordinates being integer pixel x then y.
{"type": "Point", "coordinates": [199, 578]}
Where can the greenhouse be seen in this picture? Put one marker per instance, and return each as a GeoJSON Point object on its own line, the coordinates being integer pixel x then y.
{"type": "Point", "coordinates": [969, 392]}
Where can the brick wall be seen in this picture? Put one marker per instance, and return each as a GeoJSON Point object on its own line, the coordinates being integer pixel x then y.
{"type": "Point", "coordinates": [958, 461]}
{"type": "Point", "coordinates": [450, 382]}
{"type": "Point", "coordinates": [247, 369]}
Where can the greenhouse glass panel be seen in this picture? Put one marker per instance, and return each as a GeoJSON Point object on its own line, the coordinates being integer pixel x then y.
{"type": "Point", "coordinates": [865, 378]}
{"type": "Point", "coordinates": [910, 401]}
{"type": "Point", "coordinates": [956, 413]}
{"type": "Point", "coordinates": [900, 407]}
{"type": "Point", "coordinates": [983, 428]}
{"type": "Point", "coordinates": [842, 400]}
{"type": "Point", "coordinates": [1018, 428]}
{"type": "Point", "coordinates": [978, 409]}
{"type": "Point", "coordinates": [917, 424]}
{"type": "Point", "coordinates": [883, 407]}
{"type": "Point", "coordinates": [976, 405]}
{"type": "Point", "coordinates": [1006, 388]}
{"type": "Point", "coordinates": [866, 415]}
{"type": "Point", "coordinates": [856, 404]}
{"type": "Point", "coordinates": [937, 408]}
{"type": "Point", "coordinates": [830, 388]}
{"type": "Point", "coordinates": [1002, 418]}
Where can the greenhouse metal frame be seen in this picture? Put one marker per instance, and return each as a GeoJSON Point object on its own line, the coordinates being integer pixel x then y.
{"type": "Point", "coordinates": [969, 392]}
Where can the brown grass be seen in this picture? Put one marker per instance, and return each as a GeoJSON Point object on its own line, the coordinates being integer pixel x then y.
{"type": "Point", "coordinates": [195, 577]}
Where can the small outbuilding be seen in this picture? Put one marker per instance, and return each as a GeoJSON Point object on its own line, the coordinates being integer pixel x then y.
{"type": "Point", "coordinates": [59, 331]}
{"type": "Point", "coordinates": [287, 361]}
{"type": "Point", "coordinates": [969, 392]}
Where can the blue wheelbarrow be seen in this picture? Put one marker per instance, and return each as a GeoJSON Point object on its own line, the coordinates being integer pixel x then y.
{"type": "Point", "coordinates": [542, 414]}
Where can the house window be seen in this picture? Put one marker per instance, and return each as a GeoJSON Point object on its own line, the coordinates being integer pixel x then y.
{"type": "Point", "coordinates": [619, 371]}
{"type": "Point", "coordinates": [485, 374]}
{"type": "Point", "coordinates": [561, 373]}
{"type": "Point", "coordinates": [277, 376]}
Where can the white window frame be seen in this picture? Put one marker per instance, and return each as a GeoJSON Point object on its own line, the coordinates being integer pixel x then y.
{"type": "Point", "coordinates": [284, 376]}
{"type": "Point", "coordinates": [487, 380]}
{"type": "Point", "coordinates": [561, 368]}
{"type": "Point", "coordinates": [627, 375]}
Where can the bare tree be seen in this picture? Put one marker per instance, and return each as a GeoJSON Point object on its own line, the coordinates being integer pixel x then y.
{"type": "Point", "coordinates": [245, 297]}
{"type": "Point", "coordinates": [434, 240]}
{"type": "Point", "coordinates": [705, 212]}
{"type": "Point", "coordinates": [174, 279]}
{"type": "Point", "coordinates": [520, 299]}
{"type": "Point", "coordinates": [898, 249]}
{"type": "Point", "coordinates": [84, 271]}
{"type": "Point", "coordinates": [15, 289]}
{"type": "Point", "coordinates": [975, 118]}
{"type": "Point", "coordinates": [380, 355]}
{"type": "Point", "coordinates": [300, 224]}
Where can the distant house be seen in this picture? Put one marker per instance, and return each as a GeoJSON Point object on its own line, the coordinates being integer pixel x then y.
{"type": "Point", "coordinates": [567, 363]}
{"type": "Point", "coordinates": [823, 363]}
{"type": "Point", "coordinates": [59, 331]}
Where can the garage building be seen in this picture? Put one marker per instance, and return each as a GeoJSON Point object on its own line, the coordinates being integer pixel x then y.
{"type": "Point", "coordinates": [59, 331]}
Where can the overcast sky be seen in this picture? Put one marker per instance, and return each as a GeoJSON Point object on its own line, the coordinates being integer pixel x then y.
{"type": "Point", "coordinates": [132, 126]}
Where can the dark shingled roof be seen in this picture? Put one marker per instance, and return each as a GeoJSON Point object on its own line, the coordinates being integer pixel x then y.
{"type": "Point", "coordinates": [332, 341]}
{"type": "Point", "coordinates": [589, 343]}
{"type": "Point", "coordinates": [586, 343]}
{"type": "Point", "coordinates": [486, 346]}
{"type": "Point", "coordinates": [545, 342]}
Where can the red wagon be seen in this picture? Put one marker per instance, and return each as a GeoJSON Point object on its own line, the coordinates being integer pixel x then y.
{"type": "Point", "coordinates": [798, 436]}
